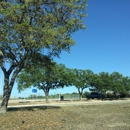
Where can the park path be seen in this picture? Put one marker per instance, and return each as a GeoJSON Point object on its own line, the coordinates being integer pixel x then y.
{"type": "Point", "coordinates": [73, 103]}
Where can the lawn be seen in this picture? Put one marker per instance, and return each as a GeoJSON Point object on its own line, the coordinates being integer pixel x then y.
{"type": "Point", "coordinates": [82, 117]}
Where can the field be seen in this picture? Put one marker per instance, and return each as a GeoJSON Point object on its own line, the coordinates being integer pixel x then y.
{"type": "Point", "coordinates": [82, 117]}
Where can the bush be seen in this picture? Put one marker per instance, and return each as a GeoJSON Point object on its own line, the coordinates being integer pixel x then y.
{"type": "Point", "coordinates": [124, 94]}
{"type": "Point", "coordinates": [110, 95]}
{"type": "Point", "coordinates": [84, 94]}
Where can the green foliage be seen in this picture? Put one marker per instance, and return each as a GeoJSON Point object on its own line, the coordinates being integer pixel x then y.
{"type": "Point", "coordinates": [115, 82]}
{"type": "Point", "coordinates": [37, 25]}
{"type": "Point", "coordinates": [31, 27]}
{"type": "Point", "coordinates": [104, 82]}
{"type": "Point", "coordinates": [81, 79]}
{"type": "Point", "coordinates": [110, 95]}
{"type": "Point", "coordinates": [74, 93]}
{"type": "Point", "coordinates": [95, 83]}
{"type": "Point", "coordinates": [84, 94]}
{"type": "Point", "coordinates": [45, 78]}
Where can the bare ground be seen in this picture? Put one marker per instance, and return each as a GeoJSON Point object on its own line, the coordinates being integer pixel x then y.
{"type": "Point", "coordinates": [82, 117]}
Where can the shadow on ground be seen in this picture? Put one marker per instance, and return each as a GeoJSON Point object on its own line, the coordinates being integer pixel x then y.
{"type": "Point", "coordinates": [31, 108]}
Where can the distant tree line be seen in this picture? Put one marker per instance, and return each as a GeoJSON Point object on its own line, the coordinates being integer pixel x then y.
{"type": "Point", "coordinates": [56, 76]}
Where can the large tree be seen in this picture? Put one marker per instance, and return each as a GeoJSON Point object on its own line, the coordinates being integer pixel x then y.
{"type": "Point", "coordinates": [96, 83]}
{"type": "Point", "coordinates": [44, 77]}
{"type": "Point", "coordinates": [101, 82]}
{"type": "Point", "coordinates": [81, 79]}
{"type": "Point", "coordinates": [120, 84]}
{"type": "Point", "coordinates": [28, 27]}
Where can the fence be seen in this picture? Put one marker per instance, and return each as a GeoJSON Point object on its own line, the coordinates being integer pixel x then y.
{"type": "Point", "coordinates": [41, 96]}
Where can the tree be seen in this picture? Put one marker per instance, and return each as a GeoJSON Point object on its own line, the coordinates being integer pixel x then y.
{"type": "Point", "coordinates": [116, 85]}
{"type": "Point", "coordinates": [126, 83]}
{"type": "Point", "coordinates": [126, 86]}
{"type": "Point", "coordinates": [95, 83]}
{"type": "Point", "coordinates": [81, 80]}
{"type": "Point", "coordinates": [31, 27]}
{"type": "Point", "coordinates": [44, 78]}
{"type": "Point", "coordinates": [120, 84]}
{"type": "Point", "coordinates": [105, 78]}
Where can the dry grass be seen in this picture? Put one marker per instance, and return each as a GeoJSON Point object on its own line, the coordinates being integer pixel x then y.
{"type": "Point", "coordinates": [83, 117]}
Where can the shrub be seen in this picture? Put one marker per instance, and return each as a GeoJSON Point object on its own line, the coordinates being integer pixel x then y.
{"type": "Point", "coordinates": [110, 95]}
{"type": "Point", "coordinates": [84, 94]}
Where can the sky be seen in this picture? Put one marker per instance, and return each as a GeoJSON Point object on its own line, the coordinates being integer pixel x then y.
{"type": "Point", "coordinates": [103, 47]}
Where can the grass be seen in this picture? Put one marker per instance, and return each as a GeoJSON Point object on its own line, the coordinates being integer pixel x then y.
{"type": "Point", "coordinates": [82, 117]}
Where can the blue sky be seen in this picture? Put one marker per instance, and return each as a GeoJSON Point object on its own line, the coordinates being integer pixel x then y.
{"type": "Point", "coordinates": [103, 46]}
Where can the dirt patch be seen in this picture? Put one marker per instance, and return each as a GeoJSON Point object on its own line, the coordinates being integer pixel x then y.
{"type": "Point", "coordinates": [92, 117]}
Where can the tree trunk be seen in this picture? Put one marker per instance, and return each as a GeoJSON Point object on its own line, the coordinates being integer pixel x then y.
{"type": "Point", "coordinates": [5, 100]}
{"type": "Point", "coordinates": [80, 96]}
{"type": "Point", "coordinates": [6, 94]}
{"type": "Point", "coordinates": [47, 96]}
{"type": "Point", "coordinates": [80, 93]}
{"type": "Point", "coordinates": [46, 91]}
{"type": "Point", "coordinates": [8, 85]}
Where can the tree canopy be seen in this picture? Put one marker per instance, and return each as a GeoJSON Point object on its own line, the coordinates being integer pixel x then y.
{"type": "Point", "coordinates": [44, 77]}
{"type": "Point", "coordinates": [115, 82]}
{"type": "Point", "coordinates": [81, 79]}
